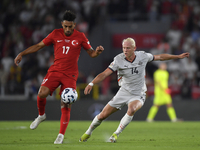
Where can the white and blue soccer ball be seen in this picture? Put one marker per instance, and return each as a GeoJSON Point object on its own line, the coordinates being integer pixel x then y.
{"type": "Point", "coordinates": [69, 95]}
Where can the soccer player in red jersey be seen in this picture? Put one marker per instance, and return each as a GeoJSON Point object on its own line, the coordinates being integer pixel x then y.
{"type": "Point", "coordinates": [67, 46]}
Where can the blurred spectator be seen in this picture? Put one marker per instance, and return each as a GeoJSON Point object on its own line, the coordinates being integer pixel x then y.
{"type": "Point", "coordinates": [153, 7]}
{"type": "Point", "coordinates": [166, 7]}
{"type": "Point", "coordinates": [189, 68]}
{"type": "Point", "coordinates": [14, 80]}
{"type": "Point", "coordinates": [174, 36]}
{"type": "Point", "coordinates": [195, 34]}
{"type": "Point", "coordinates": [6, 63]}
{"type": "Point", "coordinates": [197, 60]}
{"type": "Point", "coordinates": [186, 87]}
{"type": "Point", "coordinates": [163, 46]}
{"type": "Point", "coordinates": [31, 67]}
{"type": "Point", "coordinates": [176, 77]}
{"type": "Point", "coordinates": [42, 57]}
{"type": "Point", "coordinates": [188, 45]}
{"type": "Point", "coordinates": [90, 77]}
{"type": "Point", "coordinates": [48, 26]}
{"type": "Point", "coordinates": [37, 35]}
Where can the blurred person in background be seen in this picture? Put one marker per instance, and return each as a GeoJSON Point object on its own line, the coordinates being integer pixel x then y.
{"type": "Point", "coordinates": [64, 71]}
{"type": "Point", "coordinates": [130, 66]}
{"type": "Point", "coordinates": [161, 94]}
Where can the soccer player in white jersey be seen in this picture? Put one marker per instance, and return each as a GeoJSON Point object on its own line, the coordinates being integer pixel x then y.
{"type": "Point", "coordinates": [130, 66]}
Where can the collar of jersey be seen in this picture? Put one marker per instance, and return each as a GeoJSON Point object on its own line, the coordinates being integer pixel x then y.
{"type": "Point", "coordinates": [130, 61]}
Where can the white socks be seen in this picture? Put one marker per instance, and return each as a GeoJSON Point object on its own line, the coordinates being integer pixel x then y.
{"type": "Point", "coordinates": [123, 123]}
{"type": "Point", "coordinates": [95, 123]}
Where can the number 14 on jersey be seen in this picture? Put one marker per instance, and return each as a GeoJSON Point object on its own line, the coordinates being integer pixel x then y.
{"type": "Point", "coordinates": [134, 70]}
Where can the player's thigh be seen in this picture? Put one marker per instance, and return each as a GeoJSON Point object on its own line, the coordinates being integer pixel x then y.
{"type": "Point", "coordinates": [120, 99]}
{"type": "Point", "coordinates": [106, 112]}
{"type": "Point", "coordinates": [67, 82]}
{"type": "Point", "coordinates": [51, 81]}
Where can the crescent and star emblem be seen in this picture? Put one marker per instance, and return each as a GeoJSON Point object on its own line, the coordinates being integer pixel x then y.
{"type": "Point", "coordinates": [74, 42]}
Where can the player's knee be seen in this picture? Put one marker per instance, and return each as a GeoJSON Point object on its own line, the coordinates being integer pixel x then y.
{"type": "Point", "coordinates": [102, 116]}
{"type": "Point", "coordinates": [131, 111]}
{"type": "Point", "coordinates": [156, 106]}
{"type": "Point", "coordinates": [63, 105]}
{"type": "Point", "coordinates": [169, 105]}
{"type": "Point", "coordinates": [42, 94]}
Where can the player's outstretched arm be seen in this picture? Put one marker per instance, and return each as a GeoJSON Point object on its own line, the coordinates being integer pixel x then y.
{"type": "Point", "coordinates": [95, 53]}
{"type": "Point", "coordinates": [163, 57]}
{"type": "Point", "coordinates": [100, 77]}
{"type": "Point", "coordinates": [31, 49]}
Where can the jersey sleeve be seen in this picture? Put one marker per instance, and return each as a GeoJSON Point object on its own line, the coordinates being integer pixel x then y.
{"type": "Point", "coordinates": [85, 44]}
{"type": "Point", "coordinates": [150, 57]}
{"type": "Point", "coordinates": [113, 65]}
{"type": "Point", "coordinates": [49, 39]}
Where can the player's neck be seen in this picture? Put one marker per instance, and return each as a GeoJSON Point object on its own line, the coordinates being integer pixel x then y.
{"type": "Point", "coordinates": [70, 34]}
{"type": "Point", "coordinates": [131, 58]}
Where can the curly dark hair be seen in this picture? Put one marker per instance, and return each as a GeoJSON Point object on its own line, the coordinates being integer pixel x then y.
{"type": "Point", "coordinates": [69, 16]}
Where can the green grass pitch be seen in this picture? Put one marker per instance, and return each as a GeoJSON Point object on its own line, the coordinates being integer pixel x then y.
{"type": "Point", "coordinates": [139, 135]}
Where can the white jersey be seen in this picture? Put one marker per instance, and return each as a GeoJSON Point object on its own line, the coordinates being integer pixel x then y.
{"type": "Point", "coordinates": [131, 75]}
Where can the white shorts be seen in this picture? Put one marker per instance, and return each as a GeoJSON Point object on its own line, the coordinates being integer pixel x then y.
{"type": "Point", "coordinates": [123, 97]}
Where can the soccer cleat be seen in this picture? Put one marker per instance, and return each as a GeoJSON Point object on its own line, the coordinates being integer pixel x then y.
{"type": "Point", "coordinates": [113, 138]}
{"type": "Point", "coordinates": [84, 137]}
{"type": "Point", "coordinates": [149, 120]}
{"type": "Point", "coordinates": [37, 121]}
{"type": "Point", "coordinates": [177, 120]}
{"type": "Point", "coordinates": [59, 139]}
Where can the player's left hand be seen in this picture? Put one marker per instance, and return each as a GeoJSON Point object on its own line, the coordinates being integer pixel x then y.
{"type": "Point", "coordinates": [183, 55]}
{"type": "Point", "coordinates": [99, 49]}
{"type": "Point", "coordinates": [87, 89]}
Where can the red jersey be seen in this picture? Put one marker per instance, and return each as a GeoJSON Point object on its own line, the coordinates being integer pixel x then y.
{"type": "Point", "coordinates": [66, 51]}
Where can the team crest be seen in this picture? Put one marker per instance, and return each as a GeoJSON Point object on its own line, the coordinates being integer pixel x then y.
{"type": "Point", "coordinates": [74, 42]}
{"type": "Point", "coordinates": [140, 63]}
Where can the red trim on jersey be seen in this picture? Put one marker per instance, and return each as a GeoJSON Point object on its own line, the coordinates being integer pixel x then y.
{"type": "Point", "coordinates": [119, 79]}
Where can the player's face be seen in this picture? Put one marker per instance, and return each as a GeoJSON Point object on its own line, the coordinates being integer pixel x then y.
{"type": "Point", "coordinates": [163, 66]}
{"type": "Point", "coordinates": [128, 49]}
{"type": "Point", "coordinates": [68, 27]}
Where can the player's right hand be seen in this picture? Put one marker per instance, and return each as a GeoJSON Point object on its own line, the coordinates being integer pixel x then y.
{"type": "Point", "coordinates": [87, 89]}
{"type": "Point", "coordinates": [18, 59]}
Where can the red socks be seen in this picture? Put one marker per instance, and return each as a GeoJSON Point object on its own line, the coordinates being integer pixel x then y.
{"type": "Point", "coordinates": [64, 120]}
{"type": "Point", "coordinates": [41, 102]}
{"type": "Point", "coordinates": [65, 114]}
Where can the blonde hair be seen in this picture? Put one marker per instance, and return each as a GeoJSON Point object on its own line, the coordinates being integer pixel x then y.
{"type": "Point", "coordinates": [131, 40]}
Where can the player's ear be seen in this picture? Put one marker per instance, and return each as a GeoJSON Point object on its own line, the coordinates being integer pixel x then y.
{"type": "Point", "coordinates": [62, 23]}
{"type": "Point", "coordinates": [74, 24]}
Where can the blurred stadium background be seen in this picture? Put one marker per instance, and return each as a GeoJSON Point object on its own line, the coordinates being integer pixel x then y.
{"type": "Point", "coordinates": [158, 26]}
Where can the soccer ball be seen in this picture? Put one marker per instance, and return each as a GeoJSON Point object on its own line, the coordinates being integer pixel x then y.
{"type": "Point", "coordinates": [69, 95]}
